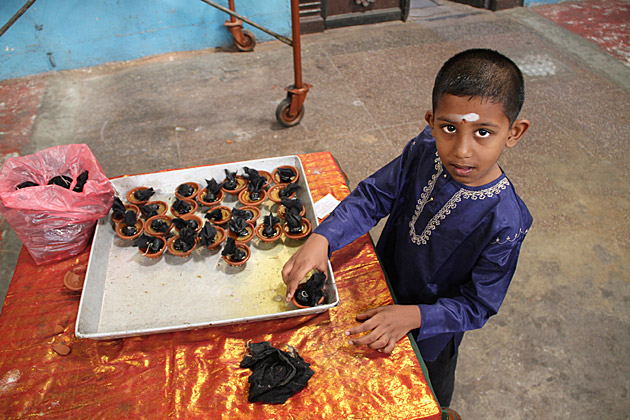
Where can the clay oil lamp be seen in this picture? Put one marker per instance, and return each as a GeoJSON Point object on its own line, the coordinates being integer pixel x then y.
{"type": "Point", "coordinates": [249, 213]}
{"type": "Point", "coordinates": [294, 206]}
{"type": "Point", "coordinates": [74, 279]}
{"type": "Point", "coordinates": [235, 254]}
{"type": "Point", "coordinates": [285, 174]}
{"type": "Point", "coordinates": [119, 209]}
{"type": "Point", "coordinates": [283, 191]}
{"type": "Point", "coordinates": [270, 229]}
{"type": "Point", "coordinates": [211, 195]}
{"type": "Point", "coordinates": [184, 244]}
{"type": "Point", "coordinates": [251, 174]}
{"type": "Point", "coordinates": [219, 215]}
{"type": "Point", "coordinates": [233, 184]}
{"type": "Point", "coordinates": [187, 190]}
{"type": "Point", "coordinates": [254, 194]}
{"type": "Point", "coordinates": [211, 236]}
{"type": "Point", "coordinates": [296, 226]}
{"type": "Point", "coordinates": [240, 230]}
{"type": "Point", "coordinates": [311, 293]}
{"type": "Point", "coordinates": [150, 246]}
{"type": "Point", "coordinates": [184, 206]}
{"type": "Point", "coordinates": [153, 208]}
{"type": "Point", "coordinates": [140, 195]}
{"type": "Point", "coordinates": [159, 225]}
{"type": "Point", "coordinates": [131, 227]}
{"type": "Point", "coordinates": [190, 221]}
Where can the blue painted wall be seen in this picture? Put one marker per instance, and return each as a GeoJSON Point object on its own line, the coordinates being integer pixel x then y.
{"type": "Point", "coordinates": [82, 33]}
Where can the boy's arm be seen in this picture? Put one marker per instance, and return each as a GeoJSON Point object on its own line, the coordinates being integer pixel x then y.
{"type": "Point", "coordinates": [353, 217]}
{"type": "Point", "coordinates": [360, 211]}
{"type": "Point", "coordinates": [479, 298]}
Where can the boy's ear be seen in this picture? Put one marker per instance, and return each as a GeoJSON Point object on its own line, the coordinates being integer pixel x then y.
{"type": "Point", "coordinates": [429, 118]}
{"type": "Point", "coordinates": [516, 132]}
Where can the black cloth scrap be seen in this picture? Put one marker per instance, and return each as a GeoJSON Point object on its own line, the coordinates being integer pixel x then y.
{"type": "Point", "coordinates": [276, 374]}
{"type": "Point", "coordinates": [144, 195]}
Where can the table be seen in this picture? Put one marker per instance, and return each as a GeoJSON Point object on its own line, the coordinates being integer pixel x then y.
{"type": "Point", "coordinates": [196, 374]}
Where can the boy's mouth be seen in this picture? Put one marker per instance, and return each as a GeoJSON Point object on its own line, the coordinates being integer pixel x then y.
{"type": "Point", "coordinates": [462, 170]}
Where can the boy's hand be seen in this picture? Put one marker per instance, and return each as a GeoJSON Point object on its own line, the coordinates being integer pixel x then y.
{"type": "Point", "coordinates": [387, 325]}
{"type": "Point", "coordinates": [312, 255]}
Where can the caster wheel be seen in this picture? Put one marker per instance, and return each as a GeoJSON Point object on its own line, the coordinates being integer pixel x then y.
{"type": "Point", "coordinates": [249, 42]}
{"type": "Point", "coordinates": [282, 114]}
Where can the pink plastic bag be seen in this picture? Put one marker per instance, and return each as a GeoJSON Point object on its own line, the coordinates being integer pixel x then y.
{"type": "Point", "coordinates": [53, 222]}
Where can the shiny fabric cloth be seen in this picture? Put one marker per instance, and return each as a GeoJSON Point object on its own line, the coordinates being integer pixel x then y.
{"type": "Point", "coordinates": [196, 374]}
{"type": "Point", "coordinates": [450, 248]}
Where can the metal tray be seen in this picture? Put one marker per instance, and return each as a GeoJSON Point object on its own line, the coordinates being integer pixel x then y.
{"type": "Point", "coordinates": [126, 294]}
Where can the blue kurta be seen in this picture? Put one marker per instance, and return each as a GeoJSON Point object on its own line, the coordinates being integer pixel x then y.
{"type": "Point", "coordinates": [447, 247]}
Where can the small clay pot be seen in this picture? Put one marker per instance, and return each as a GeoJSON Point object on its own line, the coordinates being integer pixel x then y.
{"type": "Point", "coordinates": [193, 209]}
{"type": "Point", "coordinates": [218, 238]}
{"type": "Point", "coordinates": [149, 230]}
{"type": "Point", "coordinates": [158, 254]}
{"type": "Point", "coordinates": [304, 307]}
{"type": "Point", "coordinates": [201, 194]}
{"type": "Point", "coordinates": [267, 176]}
{"type": "Point", "coordinates": [162, 206]}
{"type": "Point", "coordinates": [276, 178]}
{"type": "Point", "coordinates": [266, 239]}
{"type": "Point", "coordinates": [282, 210]}
{"type": "Point", "coordinates": [241, 183]}
{"type": "Point", "coordinates": [225, 211]}
{"type": "Point", "coordinates": [254, 210]}
{"type": "Point", "coordinates": [274, 193]}
{"type": "Point", "coordinates": [139, 227]}
{"type": "Point", "coordinates": [133, 207]}
{"type": "Point", "coordinates": [191, 196]}
{"type": "Point", "coordinates": [243, 239]}
{"type": "Point", "coordinates": [248, 253]}
{"type": "Point", "coordinates": [245, 199]}
{"type": "Point", "coordinates": [171, 242]}
{"type": "Point", "coordinates": [75, 278]}
{"type": "Point", "coordinates": [306, 229]}
{"type": "Point", "coordinates": [196, 218]}
{"type": "Point", "coordinates": [131, 196]}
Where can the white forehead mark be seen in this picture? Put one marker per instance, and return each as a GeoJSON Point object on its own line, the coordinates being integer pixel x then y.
{"type": "Point", "coordinates": [464, 118]}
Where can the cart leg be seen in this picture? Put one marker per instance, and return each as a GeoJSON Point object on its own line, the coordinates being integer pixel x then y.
{"type": "Point", "coordinates": [244, 40]}
{"type": "Point", "coordinates": [291, 109]}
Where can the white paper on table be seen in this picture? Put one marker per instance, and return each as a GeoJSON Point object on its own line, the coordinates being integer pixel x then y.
{"type": "Point", "coordinates": [324, 206]}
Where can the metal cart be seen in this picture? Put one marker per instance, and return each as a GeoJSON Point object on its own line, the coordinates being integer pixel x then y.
{"type": "Point", "coordinates": [290, 110]}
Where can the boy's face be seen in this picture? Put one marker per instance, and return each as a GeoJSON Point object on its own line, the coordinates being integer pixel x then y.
{"type": "Point", "coordinates": [470, 134]}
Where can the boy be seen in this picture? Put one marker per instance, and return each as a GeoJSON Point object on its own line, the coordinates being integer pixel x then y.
{"type": "Point", "coordinates": [456, 225]}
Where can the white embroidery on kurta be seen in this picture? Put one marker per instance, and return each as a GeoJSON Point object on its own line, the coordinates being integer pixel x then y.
{"type": "Point", "coordinates": [450, 205]}
{"type": "Point", "coordinates": [520, 234]}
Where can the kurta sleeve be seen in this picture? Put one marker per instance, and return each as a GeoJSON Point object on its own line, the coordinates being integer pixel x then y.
{"type": "Point", "coordinates": [366, 205]}
{"type": "Point", "coordinates": [479, 298]}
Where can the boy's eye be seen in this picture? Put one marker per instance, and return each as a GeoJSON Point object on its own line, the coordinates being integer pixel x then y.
{"type": "Point", "coordinates": [448, 128]}
{"type": "Point", "coordinates": [483, 132]}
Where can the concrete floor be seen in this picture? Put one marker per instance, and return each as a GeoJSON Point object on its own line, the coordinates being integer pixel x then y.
{"type": "Point", "coordinates": [559, 346]}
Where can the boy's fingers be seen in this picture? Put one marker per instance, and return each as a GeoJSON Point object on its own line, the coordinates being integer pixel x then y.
{"type": "Point", "coordinates": [358, 329]}
{"type": "Point", "coordinates": [293, 279]}
{"type": "Point", "coordinates": [370, 340]}
{"type": "Point", "coordinates": [390, 347]}
{"type": "Point", "coordinates": [286, 270]}
{"type": "Point", "coordinates": [367, 314]}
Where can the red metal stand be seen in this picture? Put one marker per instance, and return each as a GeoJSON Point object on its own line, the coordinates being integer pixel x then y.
{"type": "Point", "coordinates": [290, 110]}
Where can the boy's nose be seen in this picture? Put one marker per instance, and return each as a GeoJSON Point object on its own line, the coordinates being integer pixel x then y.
{"type": "Point", "coordinates": [463, 146]}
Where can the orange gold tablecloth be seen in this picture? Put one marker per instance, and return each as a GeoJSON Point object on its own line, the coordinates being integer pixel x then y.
{"type": "Point", "coordinates": [196, 374]}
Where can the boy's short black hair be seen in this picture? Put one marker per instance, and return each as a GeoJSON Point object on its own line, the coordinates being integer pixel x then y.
{"type": "Point", "coordinates": [482, 73]}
